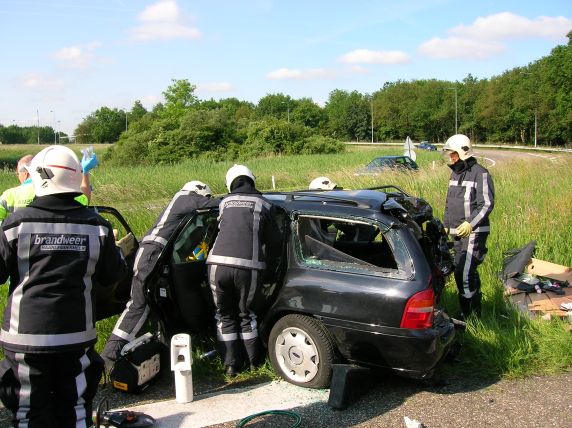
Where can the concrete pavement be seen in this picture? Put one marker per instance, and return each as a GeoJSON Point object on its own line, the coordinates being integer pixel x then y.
{"type": "Point", "coordinates": [230, 404]}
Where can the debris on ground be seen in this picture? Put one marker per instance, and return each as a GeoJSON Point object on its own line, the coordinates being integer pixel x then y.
{"type": "Point", "coordinates": [537, 287]}
{"type": "Point", "coordinates": [412, 423]}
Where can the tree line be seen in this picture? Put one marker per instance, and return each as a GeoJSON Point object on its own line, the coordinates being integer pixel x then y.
{"type": "Point", "coordinates": [520, 106]}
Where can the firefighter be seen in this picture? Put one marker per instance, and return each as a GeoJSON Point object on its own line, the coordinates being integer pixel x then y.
{"type": "Point", "coordinates": [247, 230]}
{"type": "Point", "coordinates": [192, 196]}
{"type": "Point", "coordinates": [20, 196]}
{"type": "Point", "coordinates": [470, 201]}
{"type": "Point", "coordinates": [54, 251]}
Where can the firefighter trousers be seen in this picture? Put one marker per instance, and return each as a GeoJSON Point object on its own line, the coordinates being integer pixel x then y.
{"type": "Point", "coordinates": [469, 254]}
{"type": "Point", "coordinates": [234, 290]}
{"type": "Point", "coordinates": [51, 390]}
{"type": "Point", "coordinates": [137, 310]}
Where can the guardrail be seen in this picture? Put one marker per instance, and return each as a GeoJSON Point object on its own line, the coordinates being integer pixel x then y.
{"type": "Point", "coordinates": [481, 146]}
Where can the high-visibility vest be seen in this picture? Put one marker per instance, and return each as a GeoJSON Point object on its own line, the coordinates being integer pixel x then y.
{"type": "Point", "coordinates": [20, 196]}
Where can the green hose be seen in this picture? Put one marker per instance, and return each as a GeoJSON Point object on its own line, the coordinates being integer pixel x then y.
{"type": "Point", "coordinates": [297, 418]}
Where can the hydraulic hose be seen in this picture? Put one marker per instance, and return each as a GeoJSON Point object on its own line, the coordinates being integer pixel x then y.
{"type": "Point", "coordinates": [297, 418]}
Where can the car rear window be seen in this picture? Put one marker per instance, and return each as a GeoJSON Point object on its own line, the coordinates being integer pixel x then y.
{"type": "Point", "coordinates": [350, 245]}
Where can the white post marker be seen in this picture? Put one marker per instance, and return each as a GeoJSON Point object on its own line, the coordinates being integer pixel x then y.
{"type": "Point", "coordinates": [273, 183]}
{"type": "Point", "coordinates": [181, 364]}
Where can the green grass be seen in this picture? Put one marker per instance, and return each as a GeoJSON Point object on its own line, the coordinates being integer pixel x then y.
{"type": "Point", "coordinates": [533, 201]}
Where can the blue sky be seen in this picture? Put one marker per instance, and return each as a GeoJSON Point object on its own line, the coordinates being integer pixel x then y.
{"type": "Point", "coordinates": [64, 59]}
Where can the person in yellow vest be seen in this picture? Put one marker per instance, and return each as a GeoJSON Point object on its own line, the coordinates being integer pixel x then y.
{"type": "Point", "coordinates": [20, 196]}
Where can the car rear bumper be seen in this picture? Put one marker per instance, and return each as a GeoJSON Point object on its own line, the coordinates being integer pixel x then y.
{"type": "Point", "coordinates": [411, 353]}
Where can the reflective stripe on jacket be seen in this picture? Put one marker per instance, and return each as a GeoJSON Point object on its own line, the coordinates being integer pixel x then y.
{"type": "Point", "coordinates": [54, 254]}
{"type": "Point", "coordinates": [183, 203]}
{"type": "Point", "coordinates": [242, 222]}
{"type": "Point", "coordinates": [470, 197]}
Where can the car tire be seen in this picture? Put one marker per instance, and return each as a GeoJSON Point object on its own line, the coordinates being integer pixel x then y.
{"type": "Point", "coordinates": [302, 351]}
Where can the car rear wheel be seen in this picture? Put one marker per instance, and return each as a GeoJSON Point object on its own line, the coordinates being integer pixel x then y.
{"type": "Point", "coordinates": [302, 351]}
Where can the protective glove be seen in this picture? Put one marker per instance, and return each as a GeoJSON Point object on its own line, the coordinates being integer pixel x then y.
{"type": "Point", "coordinates": [89, 160]}
{"type": "Point", "coordinates": [126, 244]}
{"type": "Point", "coordinates": [464, 229]}
{"type": "Point", "coordinates": [112, 351]}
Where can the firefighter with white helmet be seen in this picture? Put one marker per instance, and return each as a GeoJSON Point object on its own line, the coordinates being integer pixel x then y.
{"type": "Point", "coordinates": [322, 183]}
{"type": "Point", "coordinates": [192, 196]}
{"type": "Point", "coordinates": [469, 203]}
{"type": "Point", "coordinates": [54, 251]}
{"type": "Point", "coordinates": [18, 197]}
{"type": "Point", "coordinates": [246, 231]}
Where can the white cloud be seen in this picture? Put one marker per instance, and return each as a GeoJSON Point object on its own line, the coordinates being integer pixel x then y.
{"type": "Point", "coordinates": [456, 47]}
{"type": "Point", "coordinates": [40, 83]}
{"type": "Point", "coordinates": [77, 56]}
{"type": "Point", "coordinates": [163, 20]}
{"type": "Point", "coordinates": [296, 74]}
{"type": "Point", "coordinates": [483, 38]}
{"type": "Point", "coordinates": [507, 25]}
{"type": "Point", "coordinates": [366, 56]}
{"type": "Point", "coordinates": [215, 87]}
{"type": "Point", "coordinates": [165, 11]}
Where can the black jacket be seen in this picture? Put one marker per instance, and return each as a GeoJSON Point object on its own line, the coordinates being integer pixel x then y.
{"type": "Point", "coordinates": [470, 197]}
{"type": "Point", "coordinates": [54, 251]}
{"type": "Point", "coordinates": [183, 203]}
{"type": "Point", "coordinates": [245, 226]}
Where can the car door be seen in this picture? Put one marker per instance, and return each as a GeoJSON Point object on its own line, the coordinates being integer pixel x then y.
{"type": "Point", "coordinates": [111, 299]}
{"type": "Point", "coordinates": [178, 290]}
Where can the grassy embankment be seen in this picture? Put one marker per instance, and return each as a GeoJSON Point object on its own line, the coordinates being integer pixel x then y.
{"type": "Point", "coordinates": [533, 201]}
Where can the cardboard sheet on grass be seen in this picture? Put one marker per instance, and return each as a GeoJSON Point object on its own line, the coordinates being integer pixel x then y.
{"type": "Point", "coordinates": [546, 303]}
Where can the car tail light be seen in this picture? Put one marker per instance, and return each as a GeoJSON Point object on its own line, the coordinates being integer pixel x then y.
{"type": "Point", "coordinates": [418, 312]}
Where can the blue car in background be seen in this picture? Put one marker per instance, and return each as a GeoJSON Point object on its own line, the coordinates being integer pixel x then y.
{"type": "Point", "coordinates": [425, 145]}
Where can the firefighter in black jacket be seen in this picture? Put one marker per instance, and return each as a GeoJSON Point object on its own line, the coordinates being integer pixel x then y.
{"type": "Point", "coordinates": [54, 251]}
{"type": "Point", "coordinates": [470, 201]}
{"type": "Point", "coordinates": [235, 266]}
{"type": "Point", "coordinates": [193, 196]}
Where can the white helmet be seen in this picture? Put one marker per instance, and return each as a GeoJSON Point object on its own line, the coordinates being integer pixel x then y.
{"type": "Point", "coordinates": [461, 144]}
{"type": "Point", "coordinates": [198, 187]}
{"type": "Point", "coordinates": [322, 183]}
{"type": "Point", "coordinates": [56, 169]}
{"type": "Point", "coordinates": [236, 171]}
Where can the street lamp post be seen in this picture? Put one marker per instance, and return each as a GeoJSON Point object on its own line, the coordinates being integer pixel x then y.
{"type": "Point", "coordinates": [456, 116]}
{"type": "Point", "coordinates": [535, 110]}
{"type": "Point", "coordinates": [38, 117]}
{"type": "Point", "coordinates": [372, 119]}
{"type": "Point", "coordinates": [535, 125]}
{"type": "Point", "coordinates": [287, 109]}
{"type": "Point", "coordinates": [58, 132]}
{"type": "Point", "coordinates": [55, 127]}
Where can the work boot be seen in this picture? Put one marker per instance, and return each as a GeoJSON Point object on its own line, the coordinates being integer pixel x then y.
{"type": "Point", "coordinates": [230, 371]}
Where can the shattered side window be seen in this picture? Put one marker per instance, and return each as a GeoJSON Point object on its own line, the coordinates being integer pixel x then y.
{"type": "Point", "coordinates": [353, 246]}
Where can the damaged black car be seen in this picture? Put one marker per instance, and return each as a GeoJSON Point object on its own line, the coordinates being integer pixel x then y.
{"type": "Point", "coordinates": [358, 279]}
